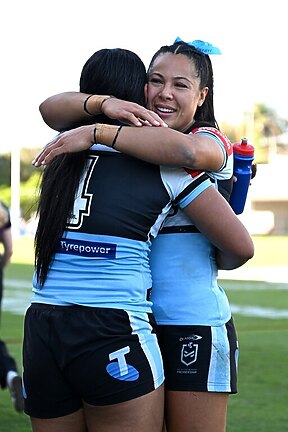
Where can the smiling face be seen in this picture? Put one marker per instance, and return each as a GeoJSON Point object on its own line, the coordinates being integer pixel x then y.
{"type": "Point", "coordinates": [173, 90]}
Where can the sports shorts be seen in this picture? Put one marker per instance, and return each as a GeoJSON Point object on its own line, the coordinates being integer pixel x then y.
{"type": "Point", "coordinates": [100, 356]}
{"type": "Point", "coordinates": [200, 358]}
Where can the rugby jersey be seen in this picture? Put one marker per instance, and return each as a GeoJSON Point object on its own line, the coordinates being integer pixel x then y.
{"type": "Point", "coordinates": [185, 289]}
{"type": "Point", "coordinates": [102, 258]}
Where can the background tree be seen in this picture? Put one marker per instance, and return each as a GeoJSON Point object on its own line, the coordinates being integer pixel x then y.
{"type": "Point", "coordinates": [267, 127]}
{"type": "Point", "coordinates": [262, 126]}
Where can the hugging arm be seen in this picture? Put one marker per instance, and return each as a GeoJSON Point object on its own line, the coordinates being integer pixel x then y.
{"type": "Point", "coordinates": [64, 110]}
{"type": "Point", "coordinates": [212, 215]}
{"type": "Point", "coordinates": [61, 111]}
{"type": "Point", "coordinates": [166, 146]}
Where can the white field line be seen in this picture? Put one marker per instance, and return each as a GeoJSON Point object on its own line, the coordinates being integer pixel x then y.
{"type": "Point", "coordinates": [18, 299]}
{"type": "Point", "coordinates": [16, 283]}
{"type": "Point", "coordinates": [259, 312]}
{"type": "Point", "coordinates": [261, 274]}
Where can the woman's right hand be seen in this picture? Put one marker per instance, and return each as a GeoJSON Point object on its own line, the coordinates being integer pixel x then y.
{"type": "Point", "coordinates": [130, 113]}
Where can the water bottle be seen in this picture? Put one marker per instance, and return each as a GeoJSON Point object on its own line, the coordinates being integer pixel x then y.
{"type": "Point", "coordinates": [243, 154]}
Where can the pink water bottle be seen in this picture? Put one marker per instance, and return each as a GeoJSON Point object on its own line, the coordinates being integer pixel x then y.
{"type": "Point", "coordinates": [243, 154]}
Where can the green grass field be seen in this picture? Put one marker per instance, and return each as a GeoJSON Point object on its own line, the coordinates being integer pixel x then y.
{"type": "Point", "coordinates": [261, 319]}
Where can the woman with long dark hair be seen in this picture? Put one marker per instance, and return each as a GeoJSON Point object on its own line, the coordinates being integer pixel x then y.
{"type": "Point", "coordinates": [197, 336]}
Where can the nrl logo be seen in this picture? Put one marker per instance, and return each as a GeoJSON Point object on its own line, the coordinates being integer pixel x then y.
{"type": "Point", "coordinates": [189, 351]}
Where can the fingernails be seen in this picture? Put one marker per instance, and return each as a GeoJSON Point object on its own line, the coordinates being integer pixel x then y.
{"type": "Point", "coordinates": [36, 163]}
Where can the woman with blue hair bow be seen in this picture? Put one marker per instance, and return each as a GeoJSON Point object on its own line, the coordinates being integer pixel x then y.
{"type": "Point", "coordinates": [197, 336]}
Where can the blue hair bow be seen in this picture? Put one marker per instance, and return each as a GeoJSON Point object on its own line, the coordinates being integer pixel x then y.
{"type": "Point", "coordinates": [203, 47]}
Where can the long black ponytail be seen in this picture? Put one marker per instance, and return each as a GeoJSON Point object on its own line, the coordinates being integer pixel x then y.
{"type": "Point", "coordinates": [120, 73]}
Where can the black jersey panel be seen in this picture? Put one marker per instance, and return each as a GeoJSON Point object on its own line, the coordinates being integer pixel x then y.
{"type": "Point", "coordinates": [124, 196]}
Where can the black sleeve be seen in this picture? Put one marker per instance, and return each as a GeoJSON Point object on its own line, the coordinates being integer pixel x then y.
{"type": "Point", "coordinates": [225, 187]}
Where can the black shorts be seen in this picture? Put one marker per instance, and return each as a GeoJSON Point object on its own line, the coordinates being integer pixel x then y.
{"type": "Point", "coordinates": [200, 358]}
{"type": "Point", "coordinates": [97, 355]}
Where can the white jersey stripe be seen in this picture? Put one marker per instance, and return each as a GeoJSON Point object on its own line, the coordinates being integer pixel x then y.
{"type": "Point", "coordinates": [219, 371]}
{"type": "Point", "coordinates": [153, 356]}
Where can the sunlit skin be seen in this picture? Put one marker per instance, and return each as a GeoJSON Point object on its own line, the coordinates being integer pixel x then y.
{"type": "Point", "coordinates": [173, 90]}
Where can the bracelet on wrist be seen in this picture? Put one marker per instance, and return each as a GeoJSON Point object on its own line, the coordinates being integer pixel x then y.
{"type": "Point", "coordinates": [106, 134]}
{"type": "Point", "coordinates": [94, 134]}
{"type": "Point", "coordinates": [104, 100]}
{"type": "Point", "coordinates": [97, 103]}
{"type": "Point", "coordinates": [116, 136]}
{"type": "Point", "coordinates": [85, 105]}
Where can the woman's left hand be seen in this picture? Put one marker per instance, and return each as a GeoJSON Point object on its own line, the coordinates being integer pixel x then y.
{"type": "Point", "coordinates": [74, 140]}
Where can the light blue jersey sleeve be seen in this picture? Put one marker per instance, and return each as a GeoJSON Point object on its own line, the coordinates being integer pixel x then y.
{"type": "Point", "coordinates": [194, 194]}
{"type": "Point", "coordinates": [226, 169]}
